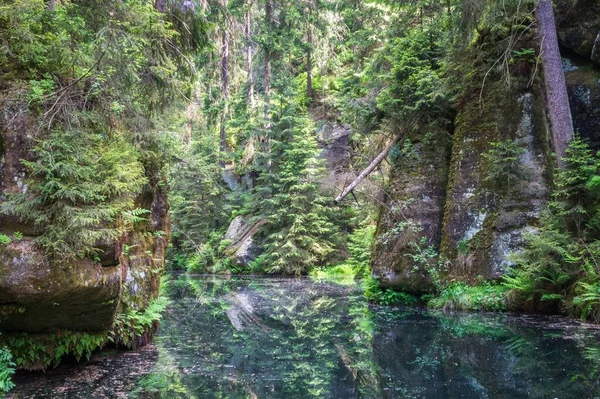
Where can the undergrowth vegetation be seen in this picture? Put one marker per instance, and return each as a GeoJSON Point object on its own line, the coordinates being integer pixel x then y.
{"type": "Point", "coordinates": [96, 79]}
{"type": "Point", "coordinates": [135, 328]}
{"type": "Point", "coordinates": [40, 351]}
{"type": "Point", "coordinates": [558, 269]}
{"type": "Point", "coordinates": [7, 369]}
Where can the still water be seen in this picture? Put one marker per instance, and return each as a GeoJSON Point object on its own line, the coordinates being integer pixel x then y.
{"type": "Point", "coordinates": [299, 338]}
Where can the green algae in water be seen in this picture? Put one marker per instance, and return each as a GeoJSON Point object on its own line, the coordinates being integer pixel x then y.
{"type": "Point", "coordinates": [297, 338]}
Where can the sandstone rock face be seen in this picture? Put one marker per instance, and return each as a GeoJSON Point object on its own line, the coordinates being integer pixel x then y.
{"type": "Point", "coordinates": [483, 223]}
{"type": "Point", "coordinates": [578, 24]}
{"type": "Point", "coordinates": [485, 220]}
{"type": "Point", "coordinates": [411, 216]}
{"type": "Point", "coordinates": [583, 86]}
{"type": "Point", "coordinates": [454, 207]}
{"type": "Point", "coordinates": [40, 294]}
{"type": "Point", "coordinates": [243, 248]}
{"type": "Point", "coordinates": [334, 141]}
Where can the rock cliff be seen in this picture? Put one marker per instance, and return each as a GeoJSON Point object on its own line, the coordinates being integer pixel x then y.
{"type": "Point", "coordinates": [40, 293]}
{"type": "Point", "coordinates": [450, 197]}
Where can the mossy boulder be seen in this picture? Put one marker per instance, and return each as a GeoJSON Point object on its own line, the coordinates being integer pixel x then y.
{"type": "Point", "coordinates": [77, 295]}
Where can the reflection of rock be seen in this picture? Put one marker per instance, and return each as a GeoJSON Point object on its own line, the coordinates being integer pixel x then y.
{"type": "Point", "coordinates": [243, 248]}
{"type": "Point", "coordinates": [241, 313]}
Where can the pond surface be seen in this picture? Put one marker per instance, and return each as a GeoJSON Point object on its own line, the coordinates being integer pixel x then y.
{"type": "Point", "coordinates": [297, 338]}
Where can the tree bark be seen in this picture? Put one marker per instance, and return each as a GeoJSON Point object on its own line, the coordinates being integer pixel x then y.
{"type": "Point", "coordinates": [267, 75]}
{"type": "Point", "coordinates": [248, 34]}
{"type": "Point", "coordinates": [224, 82]}
{"type": "Point", "coordinates": [310, 94]}
{"type": "Point", "coordinates": [370, 168]}
{"type": "Point", "coordinates": [556, 90]}
{"type": "Point", "coordinates": [52, 5]}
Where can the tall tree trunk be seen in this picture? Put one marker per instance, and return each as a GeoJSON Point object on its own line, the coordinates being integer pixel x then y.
{"type": "Point", "coordinates": [52, 5]}
{"type": "Point", "coordinates": [248, 34]}
{"type": "Point", "coordinates": [267, 73]}
{"type": "Point", "coordinates": [310, 94]}
{"type": "Point", "coordinates": [554, 79]}
{"type": "Point", "coordinates": [224, 83]}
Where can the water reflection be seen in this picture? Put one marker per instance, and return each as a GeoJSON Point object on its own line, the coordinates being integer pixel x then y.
{"type": "Point", "coordinates": [295, 338]}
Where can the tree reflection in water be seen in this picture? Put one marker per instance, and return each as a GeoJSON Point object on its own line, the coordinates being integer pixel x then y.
{"type": "Point", "coordinates": [253, 337]}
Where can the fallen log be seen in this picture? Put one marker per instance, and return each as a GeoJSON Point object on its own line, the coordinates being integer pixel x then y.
{"type": "Point", "coordinates": [370, 168]}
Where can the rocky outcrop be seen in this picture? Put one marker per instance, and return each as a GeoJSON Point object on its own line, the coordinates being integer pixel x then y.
{"type": "Point", "coordinates": [578, 25]}
{"type": "Point", "coordinates": [411, 216]}
{"type": "Point", "coordinates": [483, 222]}
{"type": "Point", "coordinates": [462, 210]}
{"type": "Point", "coordinates": [485, 219]}
{"type": "Point", "coordinates": [40, 293]}
{"type": "Point", "coordinates": [241, 232]}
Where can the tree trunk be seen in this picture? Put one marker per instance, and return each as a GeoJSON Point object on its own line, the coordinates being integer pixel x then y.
{"type": "Point", "coordinates": [554, 79]}
{"type": "Point", "coordinates": [52, 5]}
{"type": "Point", "coordinates": [310, 94]}
{"type": "Point", "coordinates": [267, 73]}
{"type": "Point", "coordinates": [224, 83]}
{"type": "Point", "coordinates": [248, 34]}
{"type": "Point", "coordinates": [370, 168]}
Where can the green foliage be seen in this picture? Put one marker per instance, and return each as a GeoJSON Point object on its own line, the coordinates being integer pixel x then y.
{"type": "Point", "coordinates": [7, 369]}
{"type": "Point", "coordinates": [82, 182]}
{"type": "Point", "coordinates": [374, 293]}
{"type": "Point", "coordinates": [4, 239]}
{"type": "Point", "coordinates": [461, 296]}
{"type": "Point", "coordinates": [133, 327]}
{"type": "Point", "coordinates": [414, 79]}
{"type": "Point", "coordinates": [40, 351]}
{"type": "Point", "coordinates": [300, 232]}
{"type": "Point", "coordinates": [559, 264]}
{"type": "Point", "coordinates": [504, 169]}
{"type": "Point", "coordinates": [99, 78]}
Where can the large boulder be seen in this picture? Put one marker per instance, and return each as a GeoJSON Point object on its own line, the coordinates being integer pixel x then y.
{"type": "Point", "coordinates": [244, 247]}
